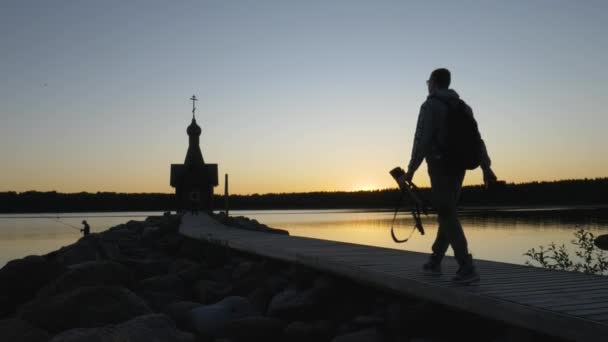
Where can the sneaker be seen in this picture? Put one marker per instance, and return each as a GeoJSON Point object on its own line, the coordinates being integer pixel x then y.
{"type": "Point", "coordinates": [433, 266]}
{"type": "Point", "coordinates": [467, 273]}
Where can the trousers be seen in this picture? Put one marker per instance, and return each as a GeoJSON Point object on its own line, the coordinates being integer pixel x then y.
{"type": "Point", "coordinates": [446, 185]}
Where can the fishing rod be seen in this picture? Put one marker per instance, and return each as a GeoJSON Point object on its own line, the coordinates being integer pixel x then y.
{"type": "Point", "coordinates": [420, 204]}
{"type": "Point", "coordinates": [64, 223]}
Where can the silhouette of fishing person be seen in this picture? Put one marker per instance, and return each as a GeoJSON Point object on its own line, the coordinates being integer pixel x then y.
{"type": "Point", "coordinates": [86, 230]}
{"type": "Point", "coordinates": [448, 139]}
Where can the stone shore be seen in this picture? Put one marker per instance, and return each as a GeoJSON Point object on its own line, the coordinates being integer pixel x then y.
{"type": "Point", "coordinates": [143, 281]}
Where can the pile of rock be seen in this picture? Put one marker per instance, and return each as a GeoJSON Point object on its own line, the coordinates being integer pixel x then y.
{"type": "Point", "coordinates": [142, 281]}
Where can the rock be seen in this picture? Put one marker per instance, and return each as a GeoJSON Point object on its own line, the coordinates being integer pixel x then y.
{"type": "Point", "coordinates": [159, 301]}
{"type": "Point", "coordinates": [367, 335]}
{"type": "Point", "coordinates": [179, 311]}
{"type": "Point", "coordinates": [514, 334]}
{"type": "Point", "coordinates": [166, 224]}
{"type": "Point", "coordinates": [181, 264]}
{"type": "Point", "coordinates": [135, 226]}
{"type": "Point", "coordinates": [193, 273]}
{"type": "Point", "coordinates": [119, 235]}
{"type": "Point", "coordinates": [291, 304]}
{"type": "Point", "coordinates": [367, 321]}
{"type": "Point", "coordinates": [85, 307]}
{"type": "Point", "coordinates": [261, 296]}
{"type": "Point", "coordinates": [171, 243]}
{"type": "Point", "coordinates": [412, 317]}
{"type": "Point", "coordinates": [255, 328]}
{"type": "Point", "coordinates": [188, 270]}
{"type": "Point", "coordinates": [601, 242]}
{"type": "Point", "coordinates": [145, 268]}
{"type": "Point", "coordinates": [191, 249]}
{"type": "Point", "coordinates": [85, 249]}
{"type": "Point", "coordinates": [211, 320]}
{"type": "Point", "coordinates": [249, 224]}
{"type": "Point", "coordinates": [90, 273]}
{"type": "Point", "coordinates": [109, 250]}
{"type": "Point", "coordinates": [16, 330]}
{"type": "Point", "coordinates": [169, 283]}
{"type": "Point", "coordinates": [151, 233]}
{"type": "Point", "coordinates": [242, 270]}
{"type": "Point", "coordinates": [300, 331]}
{"type": "Point", "coordinates": [207, 291]}
{"type": "Point", "coordinates": [20, 279]}
{"type": "Point", "coordinates": [148, 328]}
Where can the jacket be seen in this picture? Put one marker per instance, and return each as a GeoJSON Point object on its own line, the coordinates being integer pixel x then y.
{"type": "Point", "coordinates": [431, 131]}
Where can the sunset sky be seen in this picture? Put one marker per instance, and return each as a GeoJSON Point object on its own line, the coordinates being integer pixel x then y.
{"type": "Point", "coordinates": [294, 95]}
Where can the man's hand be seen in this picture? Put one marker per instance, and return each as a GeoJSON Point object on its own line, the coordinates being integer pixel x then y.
{"type": "Point", "coordinates": [489, 177]}
{"type": "Point", "coordinates": [408, 176]}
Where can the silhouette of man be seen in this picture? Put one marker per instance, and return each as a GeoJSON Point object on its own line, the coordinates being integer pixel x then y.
{"type": "Point", "coordinates": [446, 182]}
{"type": "Point", "coordinates": [86, 230]}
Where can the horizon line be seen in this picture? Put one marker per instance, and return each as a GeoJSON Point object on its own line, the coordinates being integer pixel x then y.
{"type": "Point", "coordinates": [303, 192]}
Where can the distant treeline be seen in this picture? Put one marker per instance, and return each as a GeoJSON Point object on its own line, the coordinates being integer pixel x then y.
{"type": "Point", "coordinates": [565, 192]}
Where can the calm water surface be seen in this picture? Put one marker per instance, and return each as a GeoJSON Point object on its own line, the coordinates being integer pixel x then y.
{"type": "Point", "coordinates": [500, 235]}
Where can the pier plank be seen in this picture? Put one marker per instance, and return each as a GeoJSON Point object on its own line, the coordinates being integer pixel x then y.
{"type": "Point", "coordinates": [563, 304]}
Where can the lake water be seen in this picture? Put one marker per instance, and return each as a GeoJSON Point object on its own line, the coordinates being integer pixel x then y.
{"type": "Point", "coordinates": [500, 235]}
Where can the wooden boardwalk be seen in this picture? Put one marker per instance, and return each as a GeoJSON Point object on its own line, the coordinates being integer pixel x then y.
{"type": "Point", "coordinates": [563, 304]}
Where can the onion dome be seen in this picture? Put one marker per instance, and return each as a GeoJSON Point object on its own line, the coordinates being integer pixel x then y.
{"type": "Point", "coordinates": [194, 129]}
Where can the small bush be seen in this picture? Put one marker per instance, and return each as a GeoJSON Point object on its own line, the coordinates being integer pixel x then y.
{"type": "Point", "coordinates": [587, 258]}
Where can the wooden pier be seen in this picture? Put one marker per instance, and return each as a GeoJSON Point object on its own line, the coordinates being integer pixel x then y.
{"type": "Point", "coordinates": [568, 305]}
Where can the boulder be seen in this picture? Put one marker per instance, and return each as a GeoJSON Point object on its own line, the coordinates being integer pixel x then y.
{"type": "Point", "coordinates": [211, 320]}
{"type": "Point", "coordinates": [292, 304]}
{"type": "Point", "coordinates": [159, 301]}
{"type": "Point", "coordinates": [262, 295]}
{"type": "Point", "coordinates": [193, 273]}
{"type": "Point", "coordinates": [85, 249]}
{"type": "Point", "coordinates": [514, 334]}
{"type": "Point", "coordinates": [84, 307]}
{"type": "Point", "coordinates": [181, 264]}
{"type": "Point", "coordinates": [169, 283]}
{"type": "Point", "coordinates": [90, 273]}
{"type": "Point", "coordinates": [366, 321]}
{"type": "Point", "coordinates": [367, 335]}
{"type": "Point", "coordinates": [166, 224]}
{"type": "Point", "coordinates": [20, 279]}
{"type": "Point", "coordinates": [255, 328]}
{"type": "Point", "coordinates": [151, 233]}
{"type": "Point", "coordinates": [147, 328]}
{"type": "Point", "coordinates": [249, 224]}
{"type": "Point", "coordinates": [17, 330]}
{"type": "Point", "coordinates": [242, 270]}
{"type": "Point", "coordinates": [145, 267]}
{"type": "Point", "coordinates": [208, 291]}
{"type": "Point", "coordinates": [601, 242]}
{"type": "Point", "coordinates": [191, 249]}
{"type": "Point", "coordinates": [171, 243]}
{"type": "Point", "coordinates": [300, 331]}
{"type": "Point", "coordinates": [179, 311]}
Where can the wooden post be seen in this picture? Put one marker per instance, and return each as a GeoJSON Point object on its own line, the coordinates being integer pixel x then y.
{"type": "Point", "coordinates": [226, 194]}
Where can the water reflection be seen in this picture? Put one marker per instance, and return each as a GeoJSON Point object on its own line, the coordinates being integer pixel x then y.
{"type": "Point", "coordinates": [500, 235]}
{"type": "Point", "coordinates": [497, 235]}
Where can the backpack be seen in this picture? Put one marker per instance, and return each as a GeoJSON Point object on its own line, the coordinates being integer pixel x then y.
{"type": "Point", "coordinates": [462, 149]}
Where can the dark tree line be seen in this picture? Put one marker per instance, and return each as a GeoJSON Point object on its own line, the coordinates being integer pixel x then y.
{"type": "Point", "coordinates": [565, 192]}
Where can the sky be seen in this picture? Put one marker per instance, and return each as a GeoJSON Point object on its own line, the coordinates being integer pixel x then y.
{"type": "Point", "coordinates": [294, 95]}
